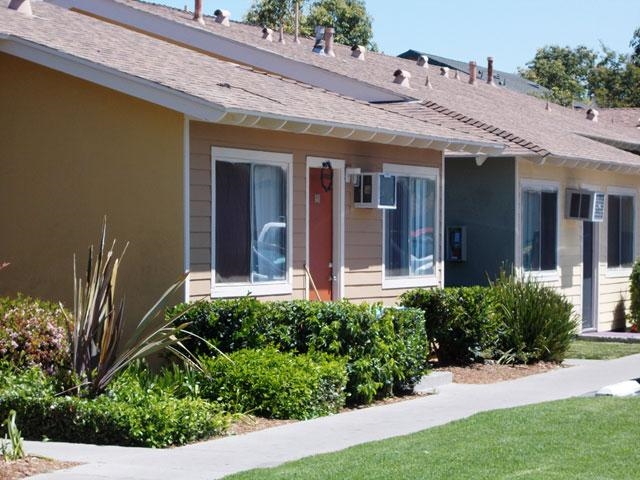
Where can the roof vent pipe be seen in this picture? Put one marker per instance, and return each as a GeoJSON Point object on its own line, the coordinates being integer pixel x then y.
{"type": "Point", "coordinates": [319, 45]}
{"type": "Point", "coordinates": [281, 34]}
{"type": "Point", "coordinates": [222, 17]}
{"type": "Point", "coordinates": [444, 72]}
{"type": "Point", "coordinates": [428, 83]}
{"type": "Point", "coordinates": [423, 61]}
{"type": "Point", "coordinates": [490, 71]}
{"type": "Point", "coordinates": [456, 75]}
{"type": "Point", "coordinates": [328, 42]}
{"type": "Point", "coordinates": [197, 12]}
{"type": "Point", "coordinates": [267, 34]}
{"type": "Point", "coordinates": [358, 51]}
{"type": "Point", "coordinates": [402, 77]}
{"type": "Point", "coordinates": [472, 72]}
{"type": "Point", "coordinates": [547, 107]}
{"type": "Point", "coordinates": [592, 114]}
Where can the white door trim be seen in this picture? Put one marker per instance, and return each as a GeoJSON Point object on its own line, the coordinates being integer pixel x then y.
{"type": "Point", "coordinates": [338, 221]}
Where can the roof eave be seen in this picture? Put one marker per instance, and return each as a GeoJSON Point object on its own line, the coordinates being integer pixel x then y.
{"type": "Point", "coordinates": [602, 165]}
{"type": "Point", "coordinates": [621, 144]}
{"type": "Point", "coordinates": [247, 118]}
{"type": "Point", "coordinates": [108, 77]}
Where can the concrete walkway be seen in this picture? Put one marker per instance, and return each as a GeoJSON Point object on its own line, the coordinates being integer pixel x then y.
{"type": "Point", "coordinates": [217, 458]}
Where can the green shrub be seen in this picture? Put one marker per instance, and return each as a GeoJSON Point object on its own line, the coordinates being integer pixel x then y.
{"type": "Point", "coordinates": [634, 290]}
{"type": "Point", "coordinates": [458, 321]}
{"type": "Point", "coordinates": [385, 349]}
{"type": "Point", "coordinates": [126, 415]}
{"type": "Point", "coordinates": [32, 333]}
{"type": "Point", "coordinates": [276, 385]}
{"type": "Point", "coordinates": [535, 323]}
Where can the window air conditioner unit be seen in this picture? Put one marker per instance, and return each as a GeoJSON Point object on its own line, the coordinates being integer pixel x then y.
{"type": "Point", "coordinates": [584, 205]}
{"type": "Point", "coordinates": [375, 190]}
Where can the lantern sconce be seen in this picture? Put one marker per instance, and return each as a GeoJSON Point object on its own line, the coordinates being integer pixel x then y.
{"type": "Point", "coordinates": [326, 176]}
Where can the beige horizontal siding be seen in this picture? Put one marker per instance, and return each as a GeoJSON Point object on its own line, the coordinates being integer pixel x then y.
{"type": "Point", "coordinates": [363, 227]}
{"type": "Point", "coordinates": [609, 288]}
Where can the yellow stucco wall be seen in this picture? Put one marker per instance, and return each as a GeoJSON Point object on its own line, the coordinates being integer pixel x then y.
{"type": "Point", "coordinates": [613, 284]}
{"type": "Point", "coordinates": [70, 153]}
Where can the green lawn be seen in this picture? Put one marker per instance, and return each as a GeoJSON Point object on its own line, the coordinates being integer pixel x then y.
{"type": "Point", "coordinates": [583, 438]}
{"type": "Point", "coordinates": [601, 350]}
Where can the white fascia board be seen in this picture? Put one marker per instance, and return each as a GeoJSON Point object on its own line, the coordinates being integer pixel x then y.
{"type": "Point", "coordinates": [114, 79]}
{"type": "Point", "coordinates": [207, 41]}
{"type": "Point", "coordinates": [376, 132]}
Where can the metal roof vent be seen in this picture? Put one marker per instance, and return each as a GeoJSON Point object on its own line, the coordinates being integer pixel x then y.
{"type": "Point", "coordinates": [456, 75]}
{"type": "Point", "coordinates": [267, 34]}
{"type": "Point", "coordinates": [423, 61]}
{"type": "Point", "coordinates": [592, 114]}
{"type": "Point", "coordinates": [358, 51]}
{"type": "Point", "coordinates": [222, 17]}
{"type": "Point", "coordinates": [547, 107]}
{"type": "Point", "coordinates": [402, 77]}
{"type": "Point", "coordinates": [444, 71]}
{"type": "Point", "coordinates": [22, 6]}
{"type": "Point", "coordinates": [197, 12]}
{"type": "Point", "coordinates": [318, 47]}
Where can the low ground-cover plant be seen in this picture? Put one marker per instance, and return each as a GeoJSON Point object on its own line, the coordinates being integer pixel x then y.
{"type": "Point", "coordinates": [385, 348]}
{"type": "Point", "coordinates": [458, 321]}
{"type": "Point", "coordinates": [127, 414]}
{"type": "Point", "coordinates": [32, 333]}
{"type": "Point", "coordinates": [273, 384]}
{"type": "Point", "coordinates": [535, 323]}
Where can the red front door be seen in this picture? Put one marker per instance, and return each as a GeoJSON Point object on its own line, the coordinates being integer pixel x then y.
{"type": "Point", "coordinates": [320, 236]}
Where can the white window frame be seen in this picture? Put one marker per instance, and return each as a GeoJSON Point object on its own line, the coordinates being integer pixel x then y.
{"type": "Point", "coordinates": [540, 186]}
{"type": "Point", "coordinates": [430, 173]}
{"type": "Point", "coordinates": [236, 155]}
{"type": "Point", "coordinates": [620, 272]}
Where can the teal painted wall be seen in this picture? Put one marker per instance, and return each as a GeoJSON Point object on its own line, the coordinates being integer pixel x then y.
{"type": "Point", "coordinates": [483, 200]}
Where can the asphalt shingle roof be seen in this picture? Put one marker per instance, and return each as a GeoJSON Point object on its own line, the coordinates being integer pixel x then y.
{"type": "Point", "coordinates": [518, 118]}
{"type": "Point", "coordinates": [221, 84]}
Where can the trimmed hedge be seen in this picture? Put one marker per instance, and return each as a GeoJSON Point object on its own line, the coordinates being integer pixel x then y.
{"type": "Point", "coordinates": [634, 291]}
{"type": "Point", "coordinates": [273, 384]}
{"type": "Point", "coordinates": [127, 415]}
{"type": "Point", "coordinates": [458, 321]}
{"type": "Point", "coordinates": [385, 348]}
{"type": "Point", "coordinates": [32, 333]}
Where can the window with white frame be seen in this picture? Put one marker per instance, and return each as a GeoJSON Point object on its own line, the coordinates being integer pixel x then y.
{"type": "Point", "coordinates": [410, 230]}
{"type": "Point", "coordinates": [539, 227]}
{"type": "Point", "coordinates": [620, 238]}
{"type": "Point", "coordinates": [251, 227]}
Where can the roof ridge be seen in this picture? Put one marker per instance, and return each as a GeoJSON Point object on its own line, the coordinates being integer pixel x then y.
{"type": "Point", "coordinates": [487, 127]}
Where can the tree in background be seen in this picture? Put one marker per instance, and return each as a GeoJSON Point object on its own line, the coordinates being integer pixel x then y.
{"type": "Point", "coordinates": [350, 18]}
{"type": "Point", "coordinates": [580, 74]}
{"type": "Point", "coordinates": [635, 45]}
{"type": "Point", "coordinates": [563, 70]}
{"type": "Point", "coordinates": [276, 13]}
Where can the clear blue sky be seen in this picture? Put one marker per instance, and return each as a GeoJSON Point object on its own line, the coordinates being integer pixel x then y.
{"type": "Point", "coordinates": [508, 30]}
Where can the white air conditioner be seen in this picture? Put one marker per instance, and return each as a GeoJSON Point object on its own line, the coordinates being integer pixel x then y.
{"type": "Point", "coordinates": [584, 205]}
{"type": "Point", "coordinates": [374, 190]}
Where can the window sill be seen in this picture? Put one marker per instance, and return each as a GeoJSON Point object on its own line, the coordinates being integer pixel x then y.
{"type": "Point", "coordinates": [254, 290]}
{"type": "Point", "coordinates": [409, 282]}
{"type": "Point", "coordinates": [543, 275]}
{"type": "Point", "coordinates": [618, 272]}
